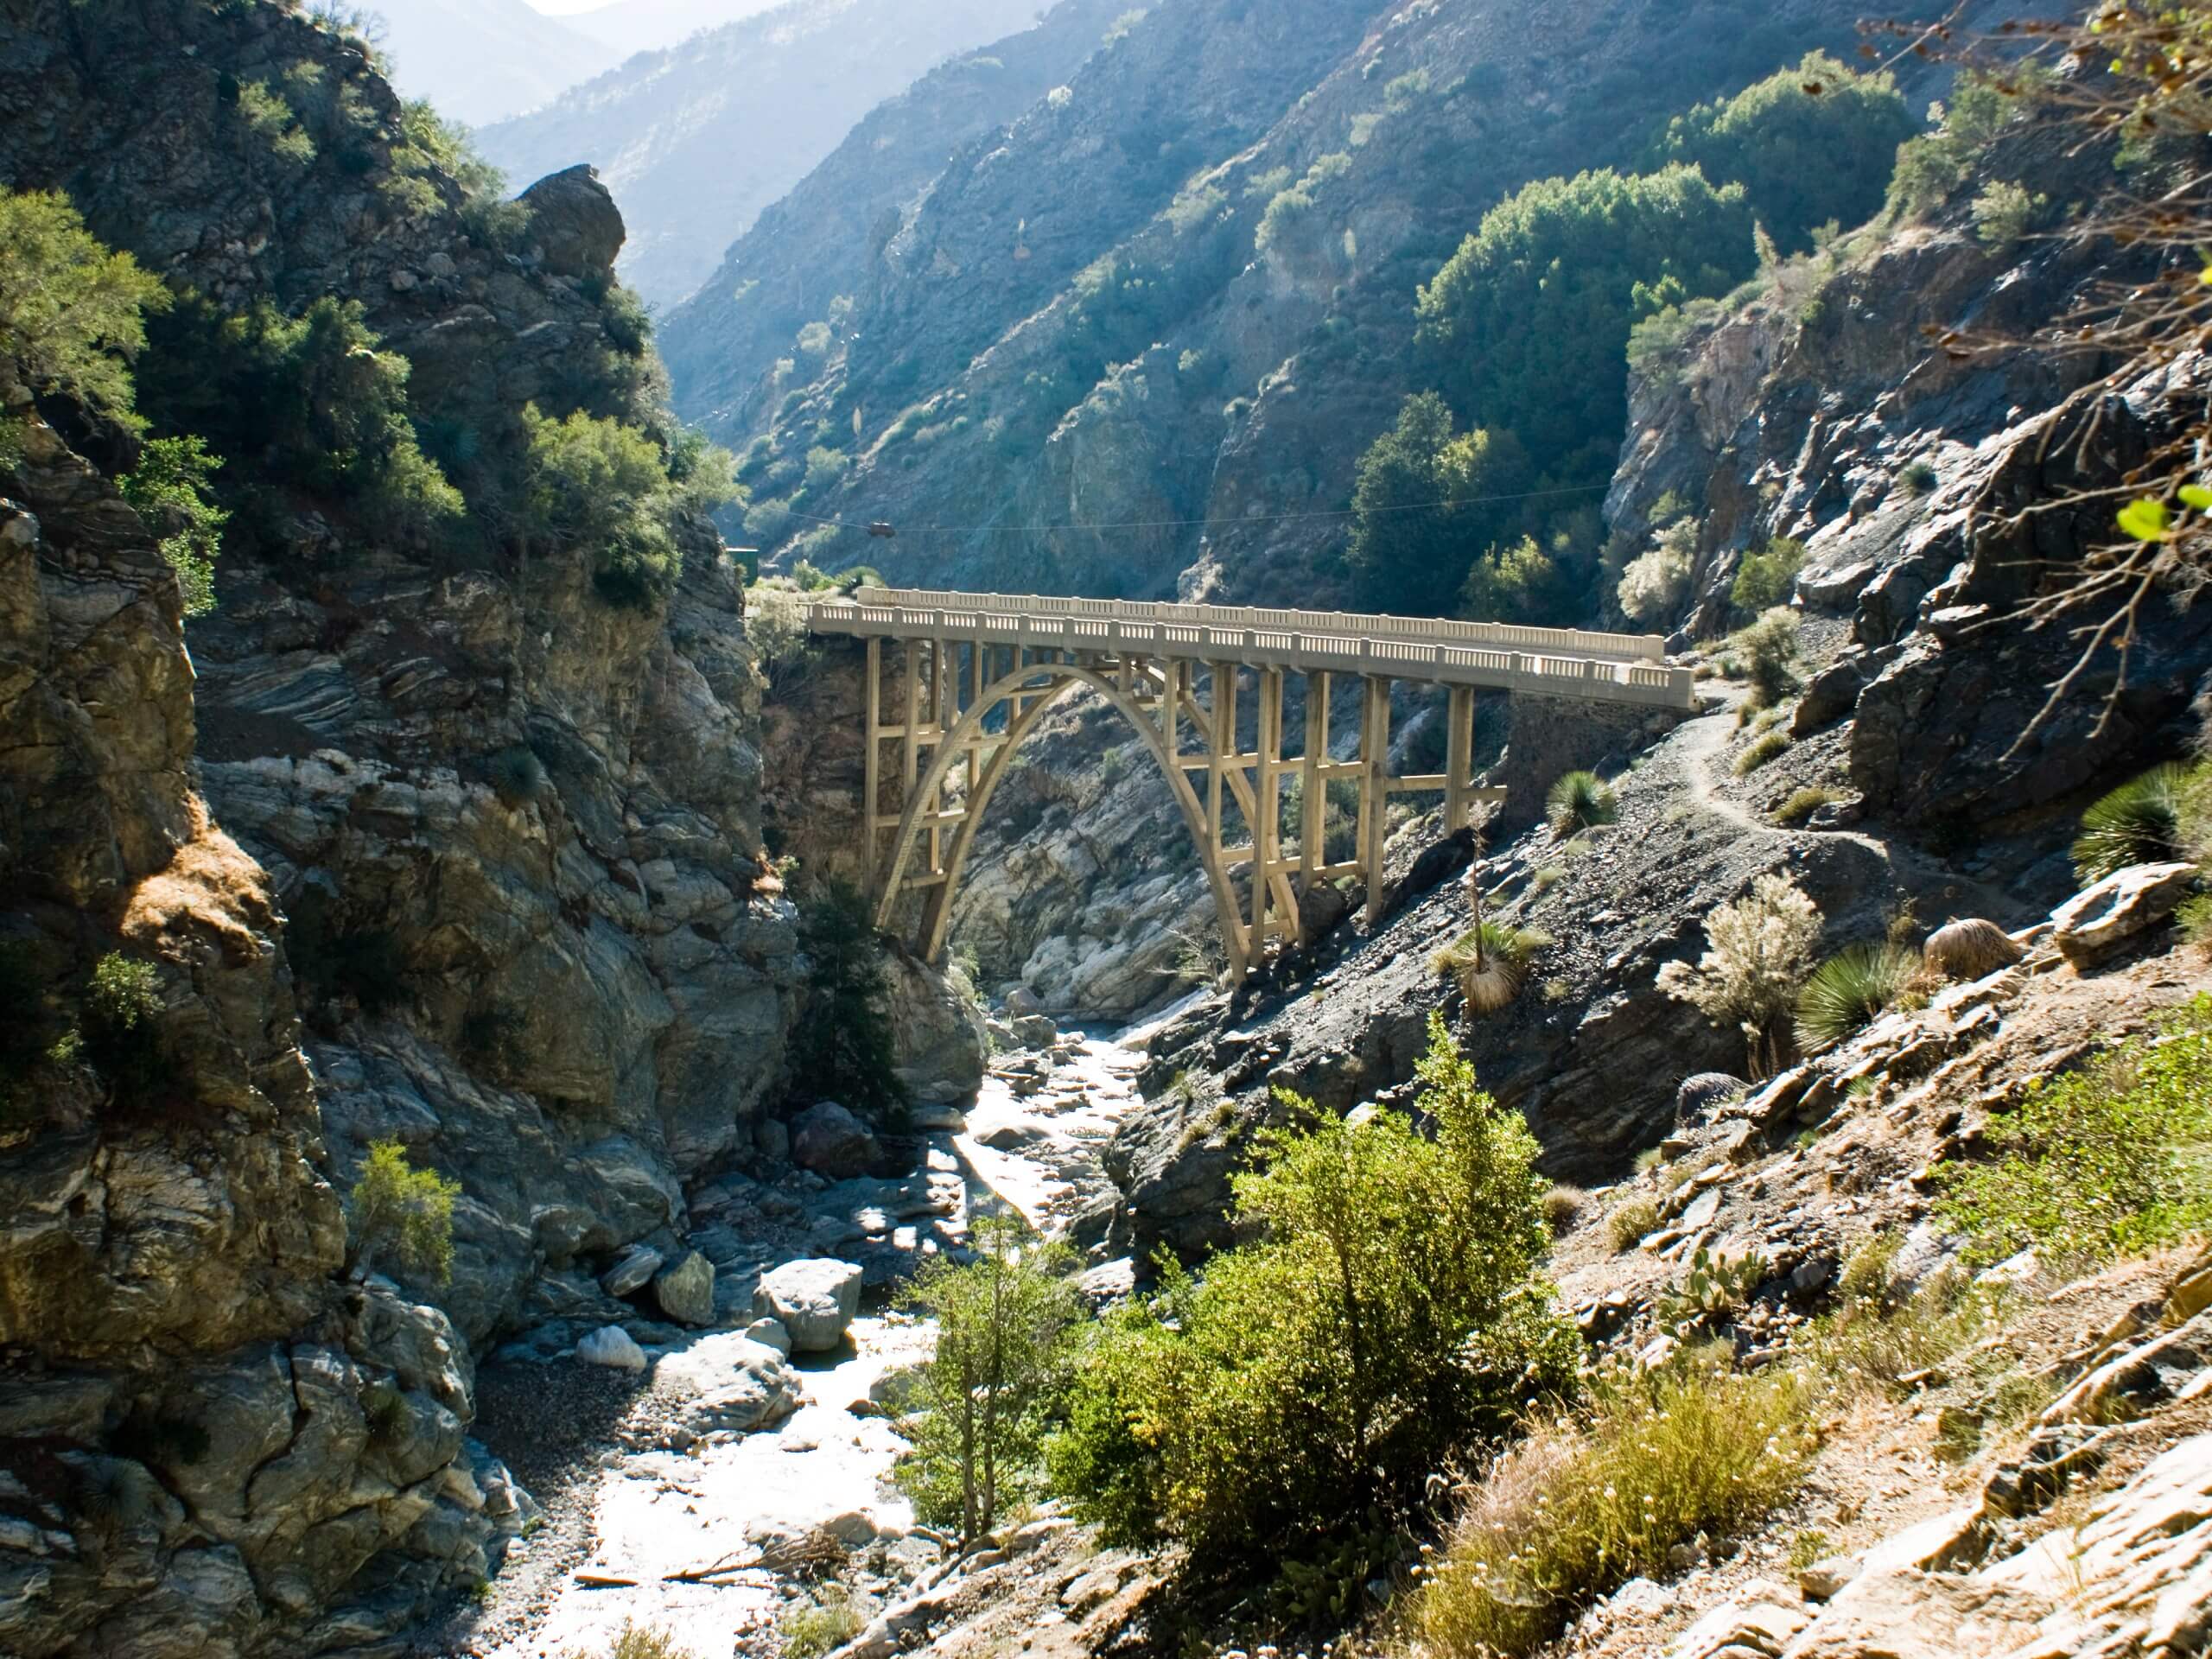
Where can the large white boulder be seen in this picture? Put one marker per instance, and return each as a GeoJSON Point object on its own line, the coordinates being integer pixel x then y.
{"type": "Point", "coordinates": [814, 1300]}
{"type": "Point", "coordinates": [611, 1346]}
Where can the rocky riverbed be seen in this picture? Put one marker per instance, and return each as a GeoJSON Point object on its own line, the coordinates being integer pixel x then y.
{"type": "Point", "coordinates": [702, 1482]}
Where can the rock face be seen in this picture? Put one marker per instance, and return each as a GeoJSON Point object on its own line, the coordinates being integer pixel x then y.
{"type": "Point", "coordinates": [813, 1301]}
{"type": "Point", "coordinates": [2097, 921]}
{"type": "Point", "coordinates": [830, 1140]}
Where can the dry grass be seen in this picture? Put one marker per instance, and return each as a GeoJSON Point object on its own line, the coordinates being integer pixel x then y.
{"type": "Point", "coordinates": [1762, 749]}
{"type": "Point", "coordinates": [1628, 1223]}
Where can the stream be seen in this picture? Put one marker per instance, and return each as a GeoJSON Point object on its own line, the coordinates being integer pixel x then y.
{"type": "Point", "coordinates": [674, 1512]}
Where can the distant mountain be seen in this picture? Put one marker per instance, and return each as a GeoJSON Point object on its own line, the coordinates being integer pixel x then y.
{"type": "Point", "coordinates": [631, 26]}
{"type": "Point", "coordinates": [483, 61]}
{"type": "Point", "coordinates": [695, 141]}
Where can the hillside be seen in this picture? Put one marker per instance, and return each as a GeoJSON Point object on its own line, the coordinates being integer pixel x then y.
{"type": "Point", "coordinates": [485, 62]}
{"type": "Point", "coordinates": [631, 26]}
{"type": "Point", "coordinates": [696, 142]}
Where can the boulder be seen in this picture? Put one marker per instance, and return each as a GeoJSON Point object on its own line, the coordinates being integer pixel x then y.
{"type": "Point", "coordinates": [610, 1345]}
{"type": "Point", "coordinates": [1969, 948]}
{"type": "Point", "coordinates": [637, 1264]}
{"type": "Point", "coordinates": [1021, 1002]}
{"type": "Point", "coordinates": [773, 1138]}
{"type": "Point", "coordinates": [933, 1119]}
{"type": "Point", "coordinates": [686, 1291]}
{"type": "Point", "coordinates": [770, 1333]}
{"type": "Point", "coordinates": [1700, 1094]}
{"type": "Point", "coordinates": [830, 1140]}
{"type": "Point", "coordinates": [575, 222]}
{"type": "Point", "coordinates": [726, 1384]}
{"type": "Point", "coordinates": [814, 1300]}
{"type": "Point", "coordinates": [1035, 1031]}
{"type": "Point", "coordinates": [2098, 920]}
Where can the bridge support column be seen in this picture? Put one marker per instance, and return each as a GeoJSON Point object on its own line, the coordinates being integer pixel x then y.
{"type": "Point", "coordinates": [1459, 757]}
{"type": "Point", "coordinates": [1374, 789]}
{"type": "Point", "coordinates": [1268, 887]}
{"type": "Point", "coordinates": [1314, 788]}
{"type": "Point", "coordinates": [871, 785]}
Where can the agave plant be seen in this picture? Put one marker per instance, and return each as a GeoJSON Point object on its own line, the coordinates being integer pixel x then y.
{"type": "Point", "coordinates": [1580, 800]}
{"type": "Point", "coordinates": [1491, 961]}
{"type": "Point", "coordinates": [1849, 991]}
{"type": "Point", "coordinates": [2140, 823]}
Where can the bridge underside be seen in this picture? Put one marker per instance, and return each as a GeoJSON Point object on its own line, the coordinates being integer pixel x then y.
{"type": "Point", "coordinates": [965, 707]}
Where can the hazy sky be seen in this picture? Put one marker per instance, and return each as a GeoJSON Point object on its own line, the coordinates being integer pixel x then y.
{"type": "Point", "coordinates": [562, 8]}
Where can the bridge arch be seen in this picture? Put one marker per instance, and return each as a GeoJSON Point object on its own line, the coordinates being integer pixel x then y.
{"type": "Point", "coordinates": [1029, 692]}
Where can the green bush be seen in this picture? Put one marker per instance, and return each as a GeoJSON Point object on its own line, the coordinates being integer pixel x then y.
{"type": "Point", "coordinates": [72, 314]}
{"type": "Point", "coordinates": [1655, 583]}
{"type": "Point", "coordinates": [401, 1211]}
{"type": "Point", "coordinates": [2003, 212]}
{"type": "Point", "coordinates": [122, 1008]}
{"type": "Point", "coordinates": [1766, 577]}
{"type": "Point", "coordinates": [600, 488]}
{"type": "Point", "coordinates": [1809, 144]}
{"type": "Point", "coordinates": [1766, 649]}
{"type": "Point", "coordinates": [1520, 584]}
{"type": "Point", "coordinates": [1932, 165]}
{"type": "Point", "coordinates": [1390, 1312]}
{"type": "Point", "coordinates": [842, 1048]}
{"type": "Point", "coordinates": [1766, 746]}
{"type": "Point", "coordinates": [1580, 800]}
{"type": "Point", "coordinates": [1585, 1504]}
{"type": "Point", "coordinates": [814, 1627]}
{"type": "Point", "coordinates": [169, 488]}
{"type": "Point", "coordinates": [996, 1378]}
{"type": "Point", "coordinates": [1408, 554]}
{"type": "Point", "coordinates": [1851, 990]}
{"type": "Point", "coordinates": [2140, 823]}
{"type": "Point", "coordinates": [1918, 478]}
{"type": "Point", "coordinates": [2111, 1159]}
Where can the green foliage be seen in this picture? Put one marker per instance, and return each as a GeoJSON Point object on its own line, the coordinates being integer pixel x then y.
{"type": "Point", "coordinates": [2140, 823]}
{"type": "Point", "coordinates": [518, 775]}
{"type": "Point", "coordinates": [1491, 959]}
{"type": "Point", "coordinates": [169, 489]}
{"type": "Point", "coordinates": [1808, 144]}
{"type": "Point", "coordinates": [2109, 1159]}
{"type": "Point", "coordinates": [1918, 478]}
{"type": "Point", "coordinates": [1766, 649]}
{"type": "Point", "coordinates": [1288, 224]}
{"type": "Point", "coordinates": [2003, 214]}
{"type": "Point", "coordinates": [1932, 165]}
{"type": "Point", "coordinates": [1851, 990]}
{"type": "Point", "coordinates": [595, 485]}
{"type": "Point", "coordinates": [1655, 583]}
{"type": "Point", "coordinates": [1767, 576]}
{"type": "Point", "coordinates": [1518, 584]}
{"type": "Point", "coordinates": [1765, 747]}
{"type": "Point", "coordinates": [72, 314]}
{"type": "Point", "coordinates": [404, 1212]}
{"type": "Point", "coordinates": [1390, 1312]}
{"type": "Point", "coordinates": [308, 401]}
{"type": "Point", "coordinates": [1715, 1288]}
{"type": "Point", "coordinates": [842, 1049]}
{"type": "Point", "coordinates": [999, 1371]}
{"type": "Point", "coordinates": [122, 1007]}
{"type": "Point", "coordinates": [811, 1628]}
{"type": "Point", "coordinates": [272, 119]}
{"type": "Point", "coordinates": [1528, 323]}
{"type": "Point", "coordinates": [1580, 800]}
{"type": "Point", "coordinates": [1409, 541]}
{"type": "Point", "coordinates": [1582, 1506]}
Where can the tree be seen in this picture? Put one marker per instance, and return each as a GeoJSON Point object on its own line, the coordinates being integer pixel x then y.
{"type": "Point", "coordinates": [407, 1212]}
{"type": "Point", "coordinates": [1411, 545]}
{"type": "Point", "coordinates": [1808, 144]}
{"type": "Point", "coordinates": [842, 1049]}
{"type": "Point", "coordinates": [595, 483]}
{"type": "Point", "coordinates": [1528, 323]}
{"type": "Point", "coordinates": [1003, 1320]}
{"type": "Point", "coordinates": [72, 313]}
{"type": "Point", "coordinates": [1392, 1313]}
{"type": "Point", "coordinates": [169, 488]}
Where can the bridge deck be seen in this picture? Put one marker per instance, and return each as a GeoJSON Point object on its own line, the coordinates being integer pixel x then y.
{"type": "Point", "coordinates": [1547, 662]}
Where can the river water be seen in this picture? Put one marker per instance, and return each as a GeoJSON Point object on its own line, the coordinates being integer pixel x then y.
{"type": "Point", "coordinates": [678, 1523]}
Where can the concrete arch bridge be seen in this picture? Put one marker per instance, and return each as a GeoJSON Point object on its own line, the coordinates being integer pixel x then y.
{"type": "Point", "coordinates": [980, 670]}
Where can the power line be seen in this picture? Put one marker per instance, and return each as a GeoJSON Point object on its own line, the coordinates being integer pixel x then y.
{"type": "Point", "coordinates": [1205, 524]}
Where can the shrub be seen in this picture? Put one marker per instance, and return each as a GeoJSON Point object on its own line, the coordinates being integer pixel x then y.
{"type": "Point", "coordinates": [1562, 1206]}
{"type": "Point", "coordinates": [1969, 948]}
{"type": "Point", "coordinates": [518, 775]}
{"type": "Point", "coordinates": [841, 1050]}
{"type": "Point", "coordinates": [1805, 802]}
{"type": "Point", "coordinates": [2107, 1160]}
{"type": "Point", "coordinates": [1931, 166]}
{"type": "Point", "coordinates": [812, 1628]}
{"type": "Point", "coordinates": [1850, 991]}
{"type": "Point", "coordinates": [1766, 578]}
{"type": "Point", "coordinates": [1918, 478]}
{"type": "Point", "coordinates": [404, 1212]}
{"type": "Point", "coordinates": [775, 626]}
{"type": "Point", "coordinates": [1520, 584]}
{"type": "Point", "coordinates": [598, 486]}
{"type": "Point", "coordinates": [1766, 746]}
{"type": "Point", "coordinates": [168, 489]}
{"type": "Point", "coordinates": [1631, 1220]}
{"type": "Point", "coordinates": [1759, 952]}
{"type": "Point", "coordinates": [2194, 916]}
{"type": "Point", "coordinates": [72, 314]}
{"type": "Point", "coordinates": [1653, 586]}
{"type": "Point", "coordinates": [1580, 800]}
{"type": "Point", "coordinates": [1388, 1311]}
{"type": "Point", "coordinates": [637, 1641]}
{"type": "Point", "coordinates": [996, 1378]}
{"type": "Point", "coordinates": [2002, 213]}
{"type": "Point", "coordinates": [1492, 962]}
{"type": "Point", "coordinates": [1581, 1507]}
{"type": "Point", "coordinates": [1765, 650]}
{"type": "Point", "coordinates": [1408, 554]}
{"type": "Point", "coordinates": [122, 1008]}
{"type": "Point", "coordinates": [2140, 823]}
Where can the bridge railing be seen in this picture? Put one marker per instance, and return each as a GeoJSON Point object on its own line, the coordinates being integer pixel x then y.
{"type": "Point", "coordinates": [1553, 671]}
{"type": "Point", "coordinates": [1566, 642]}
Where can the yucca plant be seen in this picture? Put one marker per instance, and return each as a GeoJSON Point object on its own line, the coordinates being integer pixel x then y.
{"type": "Point", "coordinates": [1492, 962]}
{"type": "Point", "coordinates": [1580, 800]}
{"type": "Point", "coordinates": [2140, 823]}
{"type": "Point", "coordinates": [1849, 991]}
